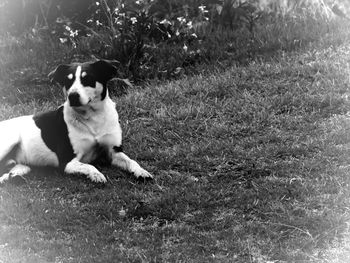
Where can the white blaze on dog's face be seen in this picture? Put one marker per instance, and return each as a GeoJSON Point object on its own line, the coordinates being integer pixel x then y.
{"type": "Point", "coordinates": [84, 84]}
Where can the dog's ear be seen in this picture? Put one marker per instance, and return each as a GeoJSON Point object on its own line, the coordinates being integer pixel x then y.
{"type": "Point", "coordinates": [59, 74]}
{"type": "Point", "coordinates": [105, 70]}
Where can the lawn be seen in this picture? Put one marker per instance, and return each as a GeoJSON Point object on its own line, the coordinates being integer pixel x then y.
{"type": "Point", "coordinates": [251, 164]}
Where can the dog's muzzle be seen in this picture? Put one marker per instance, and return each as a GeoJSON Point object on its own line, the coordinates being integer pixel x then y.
{"type": "Point", "coordinates": [74, 99]}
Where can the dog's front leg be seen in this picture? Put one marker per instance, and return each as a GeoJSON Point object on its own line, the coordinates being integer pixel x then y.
{"type": "Point", "coordinates": [77, 167]}
{"type": "Point", "coordinates": [121, 160]}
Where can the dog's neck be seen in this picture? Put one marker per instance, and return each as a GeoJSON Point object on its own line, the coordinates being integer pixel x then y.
{"type": "Point", "coordinates": [91, 118]}
{"type": "Point", "coordinates": [89, 111]}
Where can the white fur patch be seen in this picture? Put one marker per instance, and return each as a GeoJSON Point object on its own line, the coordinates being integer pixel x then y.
{"type": "Point", "coordinates": [83, 74]}
{"type": "Point", "coordinates": [24, 134]}
{"type": "Point", "coordinates": [9, 135]}
{"type": "Point", "coordinates": [33, 149]}
{"type": "Point", "coordinates": [70, 76]}
{"type": "Point", "coordinates": [77, 167]}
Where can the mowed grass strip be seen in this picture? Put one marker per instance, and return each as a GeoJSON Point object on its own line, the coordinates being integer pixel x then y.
{"type": "Point", "coordinates": [250, 165]}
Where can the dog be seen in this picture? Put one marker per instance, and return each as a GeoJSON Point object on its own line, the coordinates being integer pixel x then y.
{"type": "Point", "coordinates": [84, 130]}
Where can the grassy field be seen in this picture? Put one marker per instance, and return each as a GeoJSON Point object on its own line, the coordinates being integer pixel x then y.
{"type": "Point", "coordinates": [251, 165]}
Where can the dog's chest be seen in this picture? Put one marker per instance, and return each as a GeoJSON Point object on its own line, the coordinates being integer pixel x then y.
{"type": "Point", "coordinates": [94, 137]}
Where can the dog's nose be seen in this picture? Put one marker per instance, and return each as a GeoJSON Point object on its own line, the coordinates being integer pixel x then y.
{"type": "Point", "coordinates": [74, 99]}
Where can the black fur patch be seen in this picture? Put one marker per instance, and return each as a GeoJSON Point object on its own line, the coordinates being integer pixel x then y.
{"type": "Point", "coordinates": [104, 156]}
{"type": "Point", "coordinates": [104, 72]}
{"type": "Point", "coordinates": [88, 80]}
{"type": "Point", "coordinates": [68, 82]}
{"type": "Point", "coordinates": [118, 149]}
{"type": "Point", "coordinates": [55, 135]}
{"type": "Point", "coordinates": [60, 75]}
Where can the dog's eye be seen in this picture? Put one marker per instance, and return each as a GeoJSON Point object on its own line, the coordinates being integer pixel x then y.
{"type": "Point", "coordinates": [68, 81]}
{"type": "Point", "coordinates": [88, 80]}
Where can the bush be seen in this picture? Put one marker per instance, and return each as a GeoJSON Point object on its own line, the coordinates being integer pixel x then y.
{"type": "Point", "coordinates": [145, 45]}
{"type": "Point", "coordinates": [150, 39]}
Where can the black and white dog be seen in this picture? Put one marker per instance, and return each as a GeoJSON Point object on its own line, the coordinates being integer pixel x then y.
{"type": "Point", "coordinates": [83, 130]}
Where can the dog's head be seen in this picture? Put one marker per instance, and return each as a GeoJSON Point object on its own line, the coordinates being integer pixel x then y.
{"type": "Point", "coordinates": [84, 83]}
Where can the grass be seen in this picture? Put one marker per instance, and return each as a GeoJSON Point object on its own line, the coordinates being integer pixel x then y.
{"type": "Point", "coordinates": [251, 165]}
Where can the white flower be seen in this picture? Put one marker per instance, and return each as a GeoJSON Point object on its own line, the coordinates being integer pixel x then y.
{"type": "Point", "coordinates": [122, 212]}
{"type": "Point", "coordinates": [202, 8]}
{"type": "Point", "coordinates": [165, 22]}
{"type": "Point", "coordinates": [185, 47]}
{"type": "Point", "coordinates": [73, 33]}
{"type": "Point", "coordinates": [181, 19]}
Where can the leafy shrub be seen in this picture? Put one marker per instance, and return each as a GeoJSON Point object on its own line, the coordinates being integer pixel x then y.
{"type": "Point", "coordinates": [149, 39]}
{"type": "Point", "coordinates": [144, 45]}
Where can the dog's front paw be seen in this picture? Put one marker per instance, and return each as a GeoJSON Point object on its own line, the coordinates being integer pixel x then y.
{"type": "Point", "coordinates": [4, 178]}
{"type": "Point", "coordinates": [141, 173]}
{"type": "Point", "coordinates": [97, 177]}
{"type": "Point", "coordinates": [18, 170]}
{"type": "Point", "coordinates": [76, 167]}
